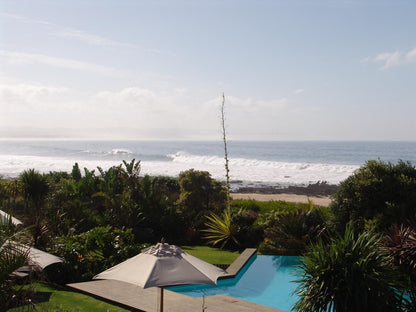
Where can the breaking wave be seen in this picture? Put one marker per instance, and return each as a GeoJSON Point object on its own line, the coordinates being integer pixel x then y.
{"type": "Point", "coordinates": [249, 171]}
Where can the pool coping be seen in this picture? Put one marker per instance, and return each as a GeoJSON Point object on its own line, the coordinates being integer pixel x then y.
{"type": "Point", "coordinates": [135, 298]}
{"type": "Point", "coordinates": [235, 267]}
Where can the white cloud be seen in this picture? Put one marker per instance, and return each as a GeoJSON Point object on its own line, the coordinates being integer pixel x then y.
{"type": "Point", "coordinates": [67, 32]}
{"type": "Point", "coordinates": [28, 94]}
{"type": "Point", "coordinates": [299, 91]}
{"type": "Point", "coordinates": [392, 59]}
{"type": "Point", "coordinates": [24, 19]}
{"type": "Point", "coordinates": [20, 58]}
{"type": "Point", "coordinates": [89, 38]}
{"type": "Point", "coordinates": [132, 112]}
{"type": "Point", "coordinates": [411, 55]}
{"type": "Point", "coordinates": [86, 37]}
{"type": "Point", "coordinates": [33, 106]}
{"type": "Point", "coordinates": [389, 59]}
{"type": "Point", "coordinates": [255, 105]}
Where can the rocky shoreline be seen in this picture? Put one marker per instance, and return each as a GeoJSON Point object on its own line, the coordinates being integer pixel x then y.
{"type": "Point", "coordinates": [317, 189]}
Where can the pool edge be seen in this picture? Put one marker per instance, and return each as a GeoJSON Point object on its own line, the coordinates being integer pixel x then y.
{"type": "Point", "coordinates": [235, 267]}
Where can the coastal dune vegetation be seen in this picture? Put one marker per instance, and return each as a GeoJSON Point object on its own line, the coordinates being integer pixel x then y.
{"type": "Point", "coordinates": [98, 218]}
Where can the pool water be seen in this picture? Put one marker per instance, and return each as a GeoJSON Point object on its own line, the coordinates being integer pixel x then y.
{"type": "Point", "coordinates": [266, 280]}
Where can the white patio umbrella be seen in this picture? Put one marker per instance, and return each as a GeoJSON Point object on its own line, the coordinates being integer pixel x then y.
{"type": "Point", "coordinates": [36, 258]}
{"type": "Point", "coordinates": [163, 265]}
{"type": "Point", "coordinates": [41, 259]}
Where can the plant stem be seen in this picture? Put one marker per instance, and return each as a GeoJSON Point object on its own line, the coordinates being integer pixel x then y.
{"type": "Point", "coordinates": [224, 137]}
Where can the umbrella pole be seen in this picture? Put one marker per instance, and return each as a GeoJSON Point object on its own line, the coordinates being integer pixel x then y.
{"type": "Point", "coordinates": [161, 299]}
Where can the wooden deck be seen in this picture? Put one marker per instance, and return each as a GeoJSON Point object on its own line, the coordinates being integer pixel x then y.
{"type": "Point", "coordinates": [136, 298]}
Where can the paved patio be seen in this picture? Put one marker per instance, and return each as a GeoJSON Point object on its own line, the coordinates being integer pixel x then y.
{"type": "Point", "coordinates": [139, 299]}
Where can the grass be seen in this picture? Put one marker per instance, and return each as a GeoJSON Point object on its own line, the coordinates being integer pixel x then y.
{"type": "Point", "coordinates": [57, 299]}
{"type": "Point", "coordinates": [212, 255]}
{"type": "Point", "coordinates": [268, 206]}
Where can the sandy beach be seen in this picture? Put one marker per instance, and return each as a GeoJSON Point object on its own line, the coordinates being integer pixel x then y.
{"type": "Point", "coordinates": [294, 198]}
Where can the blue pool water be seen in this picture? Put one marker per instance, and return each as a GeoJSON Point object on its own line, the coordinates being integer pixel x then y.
{"type": "Point", "coordinates": [266, 280]}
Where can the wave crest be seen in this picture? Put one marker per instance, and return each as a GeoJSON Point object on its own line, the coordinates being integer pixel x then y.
{"type": "Point", "coordinates": [120, 151]}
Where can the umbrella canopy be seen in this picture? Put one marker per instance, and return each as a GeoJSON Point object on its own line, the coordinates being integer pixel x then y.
{"type": "Point", "coordinates": [42, 259]}
{"type": "Point", "coordinates": [36, 258]}
{"type": "Point", "coordinates": [163, 265]}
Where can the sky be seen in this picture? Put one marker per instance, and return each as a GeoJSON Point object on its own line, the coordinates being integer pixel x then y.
{"type": "Point", "coordinates": [132, 69]}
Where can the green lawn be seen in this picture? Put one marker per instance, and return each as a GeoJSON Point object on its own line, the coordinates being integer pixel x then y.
{"type": "Point", "coordinates": [212, 255]}
{"type": "Point", "coordinates": [59, 299]}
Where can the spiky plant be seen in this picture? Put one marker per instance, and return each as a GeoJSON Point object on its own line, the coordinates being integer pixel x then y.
{"type": "Point", "coordinates": [401, 241]}
{"type": "Point", "coordinates": [352, 273]}
{"type": "Point", "coordinates": [220, 229]}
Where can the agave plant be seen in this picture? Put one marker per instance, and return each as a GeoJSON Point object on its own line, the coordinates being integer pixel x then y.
{"type": "Point", "coordinates": [352, 273]}
{"type": "Point", "coordinates": [221, 229]}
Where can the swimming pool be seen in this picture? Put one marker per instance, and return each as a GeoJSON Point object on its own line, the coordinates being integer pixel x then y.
{"type": "Point", "coordinates": [266, 280]}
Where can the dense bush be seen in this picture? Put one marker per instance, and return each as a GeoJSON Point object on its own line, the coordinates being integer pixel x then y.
{"type": "Point", "coordinates": [290, 232]}
{"type": "Point", "coordinates": [379, 192]}
{"type": "Point", "coordinates": [89, 253]}
{"type": "Point", "coordinates": [199, 196]}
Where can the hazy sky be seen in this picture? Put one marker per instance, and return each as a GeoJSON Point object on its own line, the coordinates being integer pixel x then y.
{"type": "Point", "coordinates": [131, 69]}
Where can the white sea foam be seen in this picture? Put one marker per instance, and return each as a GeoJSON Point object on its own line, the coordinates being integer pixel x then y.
{"type": "Point", "coordinates": [121, 151]}
{"type": "Point", "coordinates": [255, 171]}
{"type": "Point", "coordinates": [249, 171]}
{"type": "Point", "coordinates": [13, 165]}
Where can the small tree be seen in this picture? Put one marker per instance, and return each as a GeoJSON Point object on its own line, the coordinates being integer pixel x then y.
{"type": "Point", "coordinates": [199, 195]}
{"type": "Point", "coordinates": [76, 173]}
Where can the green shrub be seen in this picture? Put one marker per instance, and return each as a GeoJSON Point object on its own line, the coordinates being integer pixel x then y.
{"type": "Point", "coordinates": [380, 192]}
{"type": "Point", "coordinates": [89, 253]}
{"type": "Point", "coordinates": [289, 232]}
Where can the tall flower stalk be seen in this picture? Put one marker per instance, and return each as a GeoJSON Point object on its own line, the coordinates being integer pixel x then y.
{"type": "Point", "coordinates": [220, 228]}
{"type": "Point", "coordinates": [224, 138]}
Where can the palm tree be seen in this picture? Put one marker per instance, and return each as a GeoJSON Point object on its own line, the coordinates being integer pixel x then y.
{"type": "Point", "coordinates": [352, 273]}
{"type": "Point", "coordinates": [35, 188]}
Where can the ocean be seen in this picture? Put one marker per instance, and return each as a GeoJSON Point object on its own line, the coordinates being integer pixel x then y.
{"type": "Point", "coordinates": [252, 164]}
